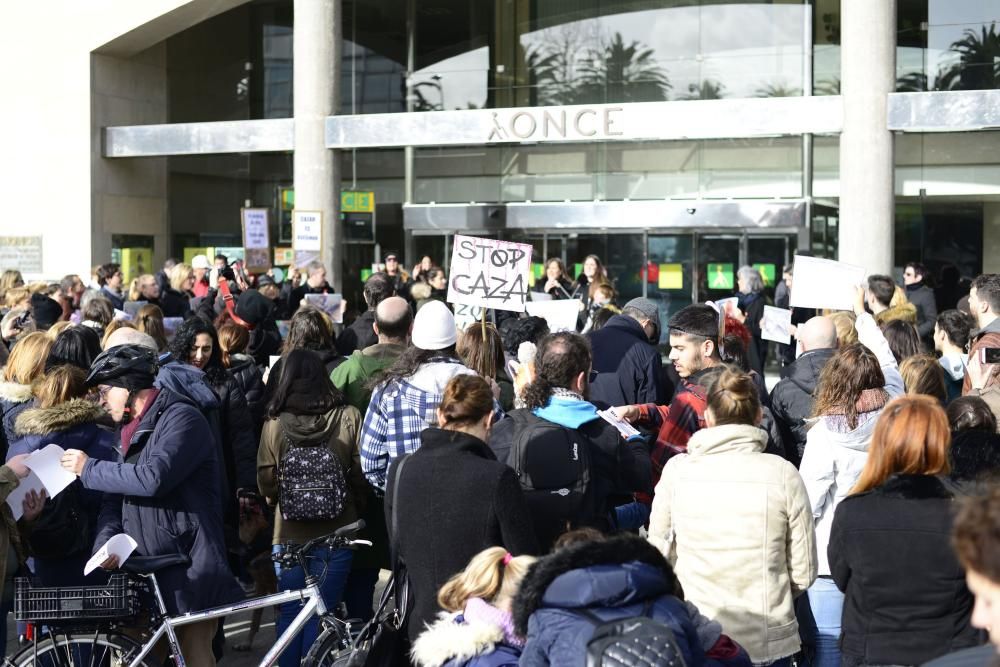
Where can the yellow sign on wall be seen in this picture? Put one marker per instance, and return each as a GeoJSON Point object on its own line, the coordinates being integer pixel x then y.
{"type": "Point", "coordinates": [136, 262]}
{"type": "Point", "coordinates": [357, 202]}
{"type": "Point", "coordinates": [671, 276]}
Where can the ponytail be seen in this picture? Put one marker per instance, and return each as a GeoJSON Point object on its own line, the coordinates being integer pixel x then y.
{"type": "Point", "coordinates": [492, 575]}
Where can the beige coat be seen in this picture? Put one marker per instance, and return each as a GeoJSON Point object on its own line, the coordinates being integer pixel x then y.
{"type": "Point", "coordinates": [736, 525]}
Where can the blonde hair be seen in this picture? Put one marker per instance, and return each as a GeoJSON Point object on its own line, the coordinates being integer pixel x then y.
{"type": "Point", "coordinates": [59, 385]}
{"type": "Point", "coordinates": [16, 296]}
{"type": "Point", "coordinates": [178, 275]}
{"type": "Point", "coordinates": [843, 321]}
{"type": "Point", "coordinates": [113, 326]}
{"type": "Point", "coordinates": [135, 288]}
{"type": "Point", "coordinates": [27, 360]}
{"type": "Point", "coordinates": [485, 577]}
{"type": "Point", "coordinates": [58, 328]}
{"type": "Point", "coordinates": [10, 279]}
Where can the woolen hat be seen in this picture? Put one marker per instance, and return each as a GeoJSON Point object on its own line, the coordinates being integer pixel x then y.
{"type": "Point", "coordinates": [200, 262]}
{"type": "Point", "coordinates": [253, 307]}
{"type": "Point", "coordinates": [45, 311]}
{"type": "Point", "coordinates": [646, 307]}
{"type": "Point", "coordinates": [434, 327]}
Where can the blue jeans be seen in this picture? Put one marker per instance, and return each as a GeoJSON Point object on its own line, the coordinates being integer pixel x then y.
{"type": "Point", "coordinates": [827, 604]}
{"type": "Point", "coordinates": [331, 566]}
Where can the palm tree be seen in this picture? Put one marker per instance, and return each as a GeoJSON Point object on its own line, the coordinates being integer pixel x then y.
{"type": "Point", "coordinates": [829, 86]}
{"type": "Point", "coordinates": [778, 90]}
{"type": "Point", "coordinates": [708, 90]}
{"type": "Point", "coordinates": [978, 66]}
{"type": "Point", "coordinates": [622, 73]}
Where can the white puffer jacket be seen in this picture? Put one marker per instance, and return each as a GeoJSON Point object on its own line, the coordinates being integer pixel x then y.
{"type": "Point", "coordinates": [834, 458]}
{"type": "Point", "coordinates": [735, 524]}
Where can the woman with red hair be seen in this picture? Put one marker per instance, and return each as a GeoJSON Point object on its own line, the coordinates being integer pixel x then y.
{"type": "Point", "coordinates": [906, 601]}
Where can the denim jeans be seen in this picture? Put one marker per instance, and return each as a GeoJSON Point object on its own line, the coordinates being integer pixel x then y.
{"type": "Point", "coordinates": [827, 604]}
{"type": "Point", "coordinates": [331, 566]}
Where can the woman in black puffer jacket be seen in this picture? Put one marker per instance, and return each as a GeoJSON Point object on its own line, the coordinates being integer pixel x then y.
{"type": "Point", "coordinates": [196, 343]}
{"type": "Point", "coordinates": [233, 342]}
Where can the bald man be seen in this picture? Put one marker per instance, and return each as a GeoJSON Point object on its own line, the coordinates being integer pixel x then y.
{"type": "Point", "coordinates": [792, 397]}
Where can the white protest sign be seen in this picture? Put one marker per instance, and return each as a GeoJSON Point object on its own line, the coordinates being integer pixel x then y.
{"type": "Point", "coordinates": [489, 273]}
{"type": "Point", "coordinates": [825, 283]}
{"type": "Point", "coordinates": [466, 315]}
{"type": "Point", "coordinates": [331, 304]}
{"type": "Point", "coordinates": [255, 228]}
{"type": "Point", "coordinates": [560, 315]}
{"type": "Point", "coordinates": [120, 545]}
{"type": "Point", "coordinates": [307, 236]}
{"type": "Point", "coordinates": [776, 325]}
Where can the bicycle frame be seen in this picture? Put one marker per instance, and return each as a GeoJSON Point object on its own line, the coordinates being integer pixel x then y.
{"type": "Point", "coordinates": [314, 605]}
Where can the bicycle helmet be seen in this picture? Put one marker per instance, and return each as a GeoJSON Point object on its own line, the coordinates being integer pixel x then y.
{"type": "Point", "coordinates": [132, 367]}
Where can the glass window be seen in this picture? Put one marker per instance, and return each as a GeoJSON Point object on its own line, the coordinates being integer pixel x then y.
{"type": "Point", "coordinates": [669, 274]}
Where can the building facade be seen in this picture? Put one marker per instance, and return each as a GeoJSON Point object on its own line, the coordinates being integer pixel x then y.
{"type": "Point", "coordinates": [675, 139]}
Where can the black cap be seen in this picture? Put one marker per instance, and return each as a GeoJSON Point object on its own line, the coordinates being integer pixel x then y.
{"type": "Point", "coordinates": [253, 307]}
{"type": "Point", "coordinates": [395, 256]}
{"type": "Point", "coordinates": [45, 311]}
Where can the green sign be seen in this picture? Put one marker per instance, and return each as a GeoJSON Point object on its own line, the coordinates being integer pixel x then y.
{"type": "Point", "coordinates": [357, 202]}
{"type": "Point", "coordinates": [720, 277]}
{"type": "Point", "coordinates": [767, 273]}
{"type": "Point", "coordinates": [365, 275]}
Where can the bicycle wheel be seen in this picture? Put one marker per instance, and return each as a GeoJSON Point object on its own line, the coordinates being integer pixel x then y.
{"type": "Point", "coordinates": [328, 650]}
{"type": "Point", "coordinates": [79, 649]}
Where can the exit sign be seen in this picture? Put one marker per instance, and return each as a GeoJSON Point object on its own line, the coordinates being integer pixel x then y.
{"type": "Point", "coordinates": [357, 202]}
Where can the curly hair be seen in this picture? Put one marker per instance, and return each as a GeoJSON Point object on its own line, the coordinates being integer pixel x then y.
{"type": "Point", "coordinates": [561, 357]}
{"type": "Point", "coordinates": [850, 371]}
{"type": "Point", "coordinates": [183, 343]}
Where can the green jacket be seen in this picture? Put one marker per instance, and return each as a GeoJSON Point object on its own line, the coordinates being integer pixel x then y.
{"type": "Point", "coordinates": [351, 377]}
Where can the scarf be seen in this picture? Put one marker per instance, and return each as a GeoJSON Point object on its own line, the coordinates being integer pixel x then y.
{"type": "Point", "coordinates": [562, 392]}
{"type": "Point", "coordinates": [480, 611]}
{"type": "Point", "coordinates": [868, 406]}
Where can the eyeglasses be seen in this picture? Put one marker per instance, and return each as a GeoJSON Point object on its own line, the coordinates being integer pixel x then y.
{"type": "Point", "coordinates": [102, 390]}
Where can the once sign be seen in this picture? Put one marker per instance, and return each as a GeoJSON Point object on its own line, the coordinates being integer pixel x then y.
{"type": "Point", "coordinates": [548, 124]}
{"type": "Point", "coordinates": [489, 273]}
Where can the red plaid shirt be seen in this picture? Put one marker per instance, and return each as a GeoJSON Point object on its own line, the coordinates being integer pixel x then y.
{"type": "Point", "coordinates": [675, 424]}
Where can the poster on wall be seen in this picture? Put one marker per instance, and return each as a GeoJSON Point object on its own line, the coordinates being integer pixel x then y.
{"type": "Point", "coordinates": [307, 236]}
{"type": "Point", "coordinates": [256, 238]}
{"type": "Point", "coordinates": [284, 256]}
{"type": "Point", "coordinates": [23, 253]}
{"type": "Point", "coordinates": [489, 273]}
{"type": "Point", "coordinates": [191, 253]}
{"type": "Point", "coordinates": [136, 262]}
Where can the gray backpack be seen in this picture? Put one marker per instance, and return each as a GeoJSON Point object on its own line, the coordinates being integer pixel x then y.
{"type": "Point", "coordinates": [312, 485]}
{"type": "Point", "coordinates": [635, 641]}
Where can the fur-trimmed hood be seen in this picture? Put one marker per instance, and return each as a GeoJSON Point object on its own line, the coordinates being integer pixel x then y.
{"type": "Point", "coordinates": [906, 312]}
{"type": "Point", "coordinates": [62, 417]}
{"type": "Point", "coordinates": [452, 638]}
{"type": "Point", "coordinates": [12, 392]}
{"type": "Point", "coordinates": [568, 577]}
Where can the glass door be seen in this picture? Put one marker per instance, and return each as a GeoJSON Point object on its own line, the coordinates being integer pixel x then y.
{"type": "Point", "coordinates": [669, 275]}
{"type": "Point", "coordinates": [769, 255]}
{"type": "Point", "coordinates": [718, 260]}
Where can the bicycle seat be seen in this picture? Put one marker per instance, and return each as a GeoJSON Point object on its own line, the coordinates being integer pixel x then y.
{"type": "Point", "coordinates": [350, 528]}
{"type": "Point", "coordinates": [151, 564]}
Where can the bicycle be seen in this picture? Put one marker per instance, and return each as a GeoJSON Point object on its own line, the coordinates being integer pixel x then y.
{"type": "Point", "coordinates": [96, 619]}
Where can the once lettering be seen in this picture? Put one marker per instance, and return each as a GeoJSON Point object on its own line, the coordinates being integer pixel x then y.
{"type": "Point", "coordinates": [513, 124]}
{"type": "Point", "coordinates": [579, 128]}
{"type": "Point", "coordinates": [559, 126]}
{"type": "Point", "coordinates": [609, 121]}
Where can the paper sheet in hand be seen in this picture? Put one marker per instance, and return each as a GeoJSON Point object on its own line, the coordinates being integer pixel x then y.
{"type": "Point", "coordinates": [824, 283]}
{"type": "Point", "coordinates": [626, 429]}
{"type": "Point", "coordinates": [15, 500]}
{"type": "Point", "coordinates": [775, 325]}
{"type": "Point", "coordinates": [728, 306]}
{"type": "Point", "coordinates": [560, 315]}
{"type": "Point", "coordinates": [120, 545]}
{"type": "Point", "coordinates": [45, 464]}
{"type": "Point", "coordinates": [331, 304]}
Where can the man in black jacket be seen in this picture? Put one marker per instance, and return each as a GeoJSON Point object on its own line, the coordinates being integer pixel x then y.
{"type": "Point", "coordinates": [921, 296]}
{"type": "Point", "coordinates": [361, 333]}
{"type": "Point", "coordinates": [618, 468]}
{"type": "Point", "coordinates": [628, 367]}
{"type": "Point", "coordinates": [792, 397]}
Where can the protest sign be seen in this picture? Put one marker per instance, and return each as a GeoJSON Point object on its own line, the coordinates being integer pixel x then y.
{"type": "Point", "coordinates": [560, 315]}
{"type": "Point", "coordinates": [307, 236]}
{"type": "Point", "coordinates": [776, 325]}
{"type": "Point", "coordinates": [331, 304]}
{"type": "Point", "coordinates": [489, 273]}
{"type": "Point", "coordinates": [256, 239]}
{"type": "Point", "coordinates": [466, 315]}
{"type": "Point", "coordinates": [825, 283]}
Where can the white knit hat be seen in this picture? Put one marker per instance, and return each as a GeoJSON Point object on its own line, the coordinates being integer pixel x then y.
{"type": "Point", "coordinates": [200, 262]}
{"type": "Point", "coordinates": [434, 327]}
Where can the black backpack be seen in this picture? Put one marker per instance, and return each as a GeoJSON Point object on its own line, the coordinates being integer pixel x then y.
{"type": "Point", "coordinates": [635, 641]}
{"type": "Point", "coordinates": [553, 464]}
{"type": "Point", "coordinates": [312, 485]}
{"type": "Point", "coordinates": [63, 527]}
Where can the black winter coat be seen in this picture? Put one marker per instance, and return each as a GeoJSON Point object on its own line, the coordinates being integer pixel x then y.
{"type": "Point", "coordinates": [890, 553]}
{"type": "Point", "coordinates": [251, 382]}
{"type": "Point", "coordinates": [238, 444]}
{"type": "Point", "coordinates": [165, 495]}
{"type": "Point", "coordinates": [454, 500]}
{"type": "Point", "coordinates": [174, 303]}
{"type": "Point", "coordinates": [359, 335]}
{"type": "Point", "coordinates": [923, 298]}
{"type": "Point", "coordinates": [629, 369]}
{"type": "Point", "coordinates": [753, 307]}
{"type": "Point", "coordinates": [792, 398]}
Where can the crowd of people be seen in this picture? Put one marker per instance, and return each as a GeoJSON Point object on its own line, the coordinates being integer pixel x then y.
{"type": "Point", "coordinates": [550, 497]}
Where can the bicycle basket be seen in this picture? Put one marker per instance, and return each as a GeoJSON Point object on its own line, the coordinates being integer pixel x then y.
{"type": "Point", "coordinates": [118, 599]}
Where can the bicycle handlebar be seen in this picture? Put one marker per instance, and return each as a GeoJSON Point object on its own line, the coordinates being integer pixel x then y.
{"type": "Point", "coordinates": [339, 539]}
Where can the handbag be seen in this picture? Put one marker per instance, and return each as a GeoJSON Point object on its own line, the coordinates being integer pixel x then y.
{"type": "Point", "coordinates": [383, 642]}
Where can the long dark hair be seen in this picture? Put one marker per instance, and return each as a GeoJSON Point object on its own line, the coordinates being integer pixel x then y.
{"type": "Point", "coordinates": [308, 330]}
{"type": "Point", "coordinates": [304, 386]}
{"type": "Point", "coordinates": [407, 364]}
{"type": "Point", "coordinates": [852, 370]}
{"type": "Point", "coordinates": [180, 347]}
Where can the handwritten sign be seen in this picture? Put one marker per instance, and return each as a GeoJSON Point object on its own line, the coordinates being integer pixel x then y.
{"type": "Point", "coordinates": [489, 273]}
{"type": "Point", "coordinates": [776, 325]}
{"type": "Point", "coordinates": [307, 236]}
{"type": "Point", "coordinates": [255, 228]}
{"type": "Point", "coordinates": [331, 304]}
{"type": "Point", "coordinates": [824, 283]}
{"type": "Point", "coordinates": [466, 315]}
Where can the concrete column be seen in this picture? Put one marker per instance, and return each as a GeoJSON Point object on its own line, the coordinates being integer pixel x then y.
{"type": "Point", "coordinates": [316, 52]}
{"type": "Point", "coordinates": [867, 64]}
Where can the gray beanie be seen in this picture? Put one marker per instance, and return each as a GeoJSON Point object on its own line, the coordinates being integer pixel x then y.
{"type": "Point", "coordinates": [644, 306]}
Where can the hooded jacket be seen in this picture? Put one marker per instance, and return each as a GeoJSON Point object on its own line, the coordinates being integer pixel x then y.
{"type": "Point", "coordinates": [792, 398]}
{"type": "Point", "coordinates": [351, 377]}
{"type": "Point", "coordinates": [165, 495]}
{"type": "Point", "coordinates": [339, 428]}
{"type": "Point", "coordinates": [906, 312]}
{"type": "Point", "coordinates": [906, 601]}
{"type": "Point", "coordinates": [954, 373]}
{"type": "Point", "coordinates": [835, 454]}
{"type": "Point", "coordinates": [629, 369]}
{"type": "Point", "coordinates": [613, 579]}
{"type": "Point", "coordinates": [14, 399]}
{"type": "Point", "coordinates": [988, 336]}
{"type": "Point", "coordinates": [467, 639]}
{"type": "Point", "coordinates": [454, 500]}
{"type": "Point", "coordinates": [737, 527]}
